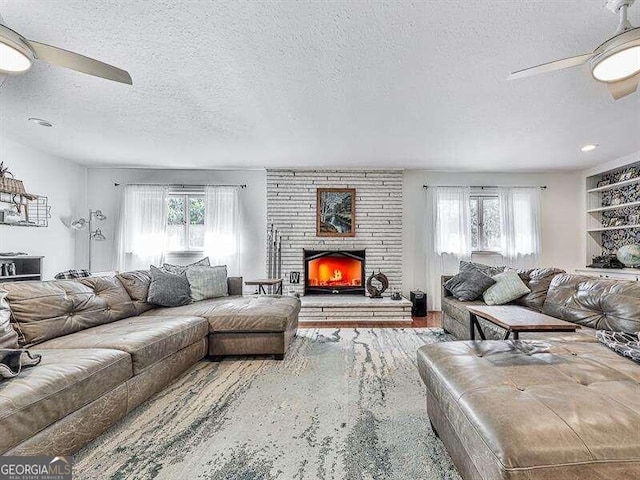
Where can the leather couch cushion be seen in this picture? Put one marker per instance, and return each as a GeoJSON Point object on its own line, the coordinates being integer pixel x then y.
{"type": "Point", "coordinates": [63, 382]}
{"type": "Point", "coordinates": [137, 285]}
{"type": "Point", "coordinates": [601, 304]}
{"type": "Point", "coordinates": [44, 310]}
{"type": "Point", "coordinates": [8, 336]}
{"type": "Point", "coordinates": [520, 406]}
{"type": "Point", "coordinates": [147, 339]}
{"type": "Point", "coordinates": [260, 313]}
{"type": "Point", "coordinates": [538, 281]}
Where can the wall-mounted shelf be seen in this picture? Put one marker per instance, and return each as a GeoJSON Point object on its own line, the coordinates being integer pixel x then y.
{"type": "Point", "coordinates": [35, 276]}
{"type": "Point", "coordinates": [613, 186]}
{"type": "Point", "coordinates": [31, 213]}
{"type": "Point", "coordinates": [28, 267]}
{"type": "Point", "coordinates": [607, 229]}
{"type": "Point", "coordinates": [614, 207]}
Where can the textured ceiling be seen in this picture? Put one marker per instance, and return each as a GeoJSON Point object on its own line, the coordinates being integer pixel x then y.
{"type": "Point", "coordinates": [320, 84]}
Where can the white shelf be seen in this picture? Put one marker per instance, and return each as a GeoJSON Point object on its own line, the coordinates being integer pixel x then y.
{"type": "Point", "coordinates": [606, 229]}
{"type": "Point", "coordinates": [613, 186]}
{"type": "Point", "coordinates": [30, 275]}
{"type": "Point", "coordinates": [614, 207]}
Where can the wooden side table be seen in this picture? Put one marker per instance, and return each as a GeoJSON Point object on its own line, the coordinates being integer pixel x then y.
{"type": "Point", "coordinates": [515, 319]}
{"type": "Point", "coordinates": [273, 284]}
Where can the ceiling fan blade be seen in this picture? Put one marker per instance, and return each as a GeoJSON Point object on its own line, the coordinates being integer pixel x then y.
{"type": "Point", "coordinates": [624, 87]}
{"type": "Point", "coordinates": [80, 63]}
{"type": "Point", "coordinates": [551, 66]}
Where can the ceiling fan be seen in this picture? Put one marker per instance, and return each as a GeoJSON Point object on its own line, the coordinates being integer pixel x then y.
{"type": "Point", "coordinates": [616, 62]}
{"type": "Point", "coordinates": [17, 55]}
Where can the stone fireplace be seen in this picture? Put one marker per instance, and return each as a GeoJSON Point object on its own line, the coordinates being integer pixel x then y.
{"type": "Point", "coordinates": [334, 272]}
{"type": "Point", "coordinates": [292, 211]}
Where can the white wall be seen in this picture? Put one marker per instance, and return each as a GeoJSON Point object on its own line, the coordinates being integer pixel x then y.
{"type": "Point", "coordinates": [562, 216]}
{"type": "Point", "coordinates": [103, 195]}
{"type": "Point", "coordinates": [64, 183]}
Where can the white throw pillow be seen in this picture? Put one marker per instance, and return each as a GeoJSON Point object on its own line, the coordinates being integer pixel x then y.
{"type": "Point", "coordinates": [508, 287]}
{"type": "Point", "coordinates": [207, 282]}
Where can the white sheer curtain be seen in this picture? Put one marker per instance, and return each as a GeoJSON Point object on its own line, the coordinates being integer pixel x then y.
{"type": "Point", "coordinates": [222, 227]}
{"type": "Point", "coordinates": [521, 226]}
{"type": "Point", "coordinates": [142, 227]}
{"type": "Point", "coordinates": [449, 212]}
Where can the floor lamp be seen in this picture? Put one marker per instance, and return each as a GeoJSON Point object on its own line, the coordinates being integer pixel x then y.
{"type": "Point", "coordinates": [96, 234]}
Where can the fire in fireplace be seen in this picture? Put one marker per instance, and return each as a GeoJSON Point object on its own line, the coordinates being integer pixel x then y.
{"type": "Point", "coordinates": [334, 271]}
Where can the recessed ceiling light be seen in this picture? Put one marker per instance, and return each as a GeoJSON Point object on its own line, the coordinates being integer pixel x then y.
{"type": "Point", "coordinates": [589, 147]}
{"type": "Point", "coordinates": [41, 122]}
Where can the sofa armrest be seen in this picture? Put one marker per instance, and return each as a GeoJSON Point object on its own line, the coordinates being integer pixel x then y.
{"type": "Point", "coordinates": [445, 292]}
{"type": "Point", "coordinates": [234, 285]}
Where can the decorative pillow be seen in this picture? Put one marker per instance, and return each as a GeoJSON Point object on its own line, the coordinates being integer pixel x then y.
{"type": "Point", "coordinates": [167, 289]}
{"type": "Point", "coordinates": [207, 282]}
{"type": "Point", "coordinates": [8, 336]}
{"type": "Point", "coordinates": [469, 284]}
{"type": "Point", "coordinates": [71, 274]}
{"type": "Point", "coordinates": [508, 287]}
{"type": "Point", "coordinates": [178, 269]}
{"type": "Point", "coordinates": [626, 344]}
{"type": "Point", "coordinates": [486, 269]}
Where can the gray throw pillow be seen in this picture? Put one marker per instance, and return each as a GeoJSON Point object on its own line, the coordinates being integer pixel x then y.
{"type": "Point", "coordinates": [469, 284]}
{"type": "Point", "coordinates": [486, 269]}
{"type": "Point", "coordinates": [177, 269]}
{"type": "Point", "coordinates": [167, 289]}
{"type": "Point", "coordinates": [207, 282]}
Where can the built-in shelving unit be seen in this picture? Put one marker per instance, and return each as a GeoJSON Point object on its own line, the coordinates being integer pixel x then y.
{"type": "Point", "coordinates": [608, 229]}
{"type": "Point", "coordinates": [27, 267]}
{"type": "Point", "coordinates": [613, 215]}
{"type": "Point", "coordinates": [614, 186]}
{"type": "Point", "coordinates": [614, 207]}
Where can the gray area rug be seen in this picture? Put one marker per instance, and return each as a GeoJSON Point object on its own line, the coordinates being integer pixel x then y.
{"type": "Point", "coordinates": [344, 404]}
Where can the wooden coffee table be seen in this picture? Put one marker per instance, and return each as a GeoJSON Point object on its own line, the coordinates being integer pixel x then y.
{"type": "Point", "coordinates": [516, 319]}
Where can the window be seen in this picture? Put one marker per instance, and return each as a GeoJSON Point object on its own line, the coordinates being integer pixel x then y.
{"type": "Point", "coordinates": [185, 223]}
{"type": "Point", "coordinates": [485, 224]}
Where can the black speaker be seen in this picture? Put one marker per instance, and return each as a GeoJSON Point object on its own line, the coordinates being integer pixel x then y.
{"type": "Point", "coordinates": [419, 303]}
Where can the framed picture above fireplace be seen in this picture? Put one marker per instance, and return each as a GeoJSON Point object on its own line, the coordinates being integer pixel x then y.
{"type": "Point", "coordinates": [336, 212]}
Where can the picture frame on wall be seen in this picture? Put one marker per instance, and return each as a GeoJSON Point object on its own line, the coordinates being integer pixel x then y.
{"type": "Point", "coordinates": [336, 212]}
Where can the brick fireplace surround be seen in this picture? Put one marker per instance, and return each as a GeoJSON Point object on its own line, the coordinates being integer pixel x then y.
{"type": "Point", "coordinates": [291, 209]}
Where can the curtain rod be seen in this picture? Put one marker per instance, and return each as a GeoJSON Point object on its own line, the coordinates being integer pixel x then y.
{"type": "Point", "coordinates": [482, 187]}
{"type": "Point", "coordinates": [180, 185]}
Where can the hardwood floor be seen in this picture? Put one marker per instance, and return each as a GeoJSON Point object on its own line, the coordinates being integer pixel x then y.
{"type": "Point", "coordinates": [433, 319]}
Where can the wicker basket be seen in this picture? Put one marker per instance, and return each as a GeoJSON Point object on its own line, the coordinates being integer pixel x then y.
{"type": "Point", "coordinates": [13, 186]}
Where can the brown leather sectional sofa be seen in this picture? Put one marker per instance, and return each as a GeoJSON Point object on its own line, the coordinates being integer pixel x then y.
{"type": "Point", "coordinates": [552, 407]}
{"type": "Point", "coordinates": [105, 350]}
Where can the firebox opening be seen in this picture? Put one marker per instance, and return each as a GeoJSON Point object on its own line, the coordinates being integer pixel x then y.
{"type": "Point", "coordinates": [334, 272]}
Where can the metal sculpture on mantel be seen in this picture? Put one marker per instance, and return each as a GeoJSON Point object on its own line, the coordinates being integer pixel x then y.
{"type": "Point", "coordinates": [374, 291]}
{"type": "Point", "coordinates": [274, 253]}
